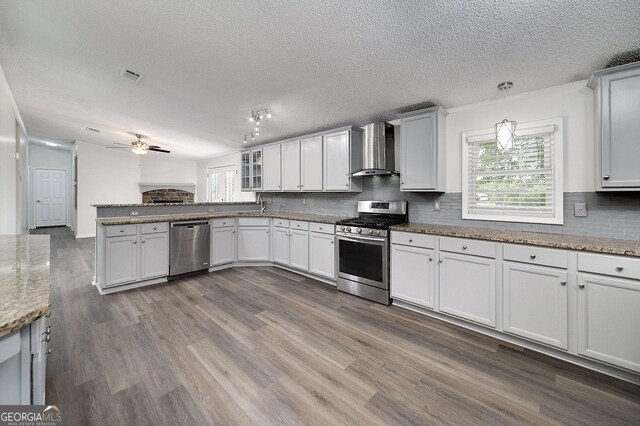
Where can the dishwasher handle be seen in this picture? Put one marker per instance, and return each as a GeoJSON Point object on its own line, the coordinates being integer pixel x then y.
{"type": "Point", "coordinates": [189, 225]}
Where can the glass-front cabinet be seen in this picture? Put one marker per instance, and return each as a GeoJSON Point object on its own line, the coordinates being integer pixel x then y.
{"type": "Point", "coordinates": [251, 170]}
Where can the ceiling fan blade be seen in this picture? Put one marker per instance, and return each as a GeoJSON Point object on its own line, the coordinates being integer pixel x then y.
{"type": "Point", "coordinates": [118, 147]}
{"type": "Point", "coordinates": [124, 144]}
{"type": "Point", "coordinates": [154, 146]}
{"type": "Point", "coordinates": [151, 148]}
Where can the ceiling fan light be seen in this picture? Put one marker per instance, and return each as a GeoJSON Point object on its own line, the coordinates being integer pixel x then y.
{"type": "Point", "coordinates": [139, 150]}
{"type": "Point", "coordinates": [268, 113]}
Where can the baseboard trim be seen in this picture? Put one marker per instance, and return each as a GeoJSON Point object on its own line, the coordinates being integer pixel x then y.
{"type": "Point", "coordinates": [131, 286]}
{"type": "Point", "coordinates": [277, 265]}
{"type": "Point", "coordinates": [78, 236]}
{"type": "Point", "coordinates": [554, 353]}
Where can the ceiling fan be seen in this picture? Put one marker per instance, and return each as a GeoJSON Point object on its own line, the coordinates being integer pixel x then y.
{"type": "Point", "coordinates": [139, 147]}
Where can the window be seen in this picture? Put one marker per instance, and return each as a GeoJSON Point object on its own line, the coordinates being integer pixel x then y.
{"type": "Point", "coordinates": [220, 183]}
{"type": "Point", "coordinates": [520, 183]}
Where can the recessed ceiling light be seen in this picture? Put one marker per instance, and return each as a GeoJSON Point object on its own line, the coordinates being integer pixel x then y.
{"type": "Point", "coordinates": [131, 75]}
{"type": "Point", "coordinates": [91, 129]}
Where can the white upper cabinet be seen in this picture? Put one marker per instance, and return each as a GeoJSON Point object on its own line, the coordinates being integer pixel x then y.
{"type": "Point", "coordinates": [617, 92]}
{"type": "Point", "coordinates": [311, 162]}
{"type": "Point", "coordinates": [271, 177]}
{"type": "Point", "coordinates": [422, 146]}
{"type": "Point", "coordinates": [245, 171]}
{"type": "Point", "coordinates": [341, 153]}
{"type": "Point", "coordinates": [251, 170]}
{"type": "Point", "coordinates": [291, 166]}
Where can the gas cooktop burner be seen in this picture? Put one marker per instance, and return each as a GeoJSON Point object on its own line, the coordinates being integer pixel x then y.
{"type": "Point", "coordinates": [376, 223]}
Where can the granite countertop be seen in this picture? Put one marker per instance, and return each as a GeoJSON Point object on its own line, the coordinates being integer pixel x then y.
{"type": "Point", "coordinates": [214, 203]}
{"type": "Point", "coordinates": [560, 241]}
{"type": "Point", "coordinates": [129, 220]}
{"type": "Point", "coordinates": [24, 280]}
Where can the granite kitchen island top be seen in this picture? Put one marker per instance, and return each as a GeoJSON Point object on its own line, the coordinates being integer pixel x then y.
{"type": "Point", "coordinates": [128, 220]}
{"type": "Point", "coordinates": [560, 241]}
{"type": "Point", "coordinates": [24, 280]}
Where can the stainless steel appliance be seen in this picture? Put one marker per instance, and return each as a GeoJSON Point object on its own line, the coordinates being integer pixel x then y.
{"type": "Point", "coordinates": [363, 249]}
{"type": "Point", "coordinates": [189, 247]}
{"type": "Point", "coordinates": [378, 150]}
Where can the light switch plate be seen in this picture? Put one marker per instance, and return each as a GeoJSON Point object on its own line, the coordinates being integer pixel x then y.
{"type": "Point", "coordinates": [580, 209]}
{"type": "Point", "coordinates": [134, 213]}
{"type": "Point", "coordinates": [436, 205]}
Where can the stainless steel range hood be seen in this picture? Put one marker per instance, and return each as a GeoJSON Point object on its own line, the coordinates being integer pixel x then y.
{"type": "Point", "coordinates": [378, 152]}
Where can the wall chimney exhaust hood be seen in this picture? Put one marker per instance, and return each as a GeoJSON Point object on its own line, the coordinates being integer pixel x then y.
{"type": "Point", "coordinates": [378, 150]}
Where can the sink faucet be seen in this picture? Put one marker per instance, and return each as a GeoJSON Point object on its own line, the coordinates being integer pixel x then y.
{"type": "Point", "coordinates": [260, 201]}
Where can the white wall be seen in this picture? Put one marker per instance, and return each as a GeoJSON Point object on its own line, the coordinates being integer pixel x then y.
{"type": "Point", "coordinates": [9, 166]}
{"type": "Point", "coordinates": [574, 102]}
{"type": "Point", "coordinates": [105, 176]}
{"type": "Point", "coordinates": [226, 160]}
{"type": "Point", "coordinates": [43, 157]}
{"type": "Point", "coordinates": [162, 168]}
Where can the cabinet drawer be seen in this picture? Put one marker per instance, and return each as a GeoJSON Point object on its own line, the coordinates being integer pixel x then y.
{"type": "Point", "coordinates": [536, 255]}
{"type": "Point", "coordinates": [617, 266]}
{"type": "Point", "coordinates": [467, 246]}
{"type": "Point", "coordinates": [223, 222]}
{"type": "Point", "coordinates": [411, 239]}
{"type": "Point", "coordinates": [324, 228]}
{"type": "Point", "coordinates": [152, 228]}
{"type": "Point", "coordinates": [298, 224]}
{"type": "Point", "coordinates": [281, 223]}
{"type": "Point", "coordinates": [119, 230]}
{"type": "Point", "coordinates": [253, 221]}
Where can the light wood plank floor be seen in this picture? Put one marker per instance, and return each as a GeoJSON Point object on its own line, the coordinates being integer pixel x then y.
{"type": "Point", "coordinates": [264, 346]}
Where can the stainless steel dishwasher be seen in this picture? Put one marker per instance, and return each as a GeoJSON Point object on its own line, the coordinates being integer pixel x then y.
{"type": "Point", "coordinates": [189, 247]}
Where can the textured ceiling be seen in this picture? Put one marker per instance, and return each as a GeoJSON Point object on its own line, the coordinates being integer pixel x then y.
{"type": "Point", "coordinates": [317, 64]}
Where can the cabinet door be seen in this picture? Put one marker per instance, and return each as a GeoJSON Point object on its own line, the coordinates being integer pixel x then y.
{"type": "Point", "coordinates": [281, 245]}
{"type": "Point", "coordinates": [311, 155]}
{"type": "Point", "coordinates": [154, 255]}
{"type": "Point", "coordinates": [299, 249]}
{"type": "Point", "coordinates": [336, 162]}
{"type": "Point", "coordinates": [468, 287]}
{"type": "Point", "coordinates": [271, 178]}
{"type": "Point", "coordinates": [253, 244]}
{"type": "Point", "coordinates": [621, 129]}
{"type": "Point", "coordinates": [121, 260]}
{"type": "Point", "coordinates": [291, 166]}
{"type": "Point", "coordinates": [245, 171]}
{"type": "Point", "coordinates": [322, 255]}
{"type": "Point", "coordinates": [535, 303]}
{"type": "Point", "coordinates": [418, 152]}
{"type": "Point", "coordinates": [608, 318]}
{"type": "Point", "coordinates": [412, 275]}
{"type": "Point", "coordinates": [223, 245]}
{"type": "Point", "coordinates": [256, 169]}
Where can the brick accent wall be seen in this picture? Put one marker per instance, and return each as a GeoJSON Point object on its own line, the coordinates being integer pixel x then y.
{"type": "Point", "coordinates": [169, 195]}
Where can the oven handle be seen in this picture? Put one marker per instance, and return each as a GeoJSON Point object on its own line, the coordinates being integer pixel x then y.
{"type": "Point", "coordinates": [361, 239]}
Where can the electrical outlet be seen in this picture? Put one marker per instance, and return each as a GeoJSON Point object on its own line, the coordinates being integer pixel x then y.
{"type": "Point", "coordinates": [580, 209]}
{"type": "Point", "coordinates": [304, 201]}
{"type": "Point", "coordinates": [134, 213]}
{"type": "Point", "coordinates": [436, 205]}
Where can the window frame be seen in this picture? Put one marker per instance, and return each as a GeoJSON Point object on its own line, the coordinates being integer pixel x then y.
{"type": "Point", "coordinates": [522, 129]}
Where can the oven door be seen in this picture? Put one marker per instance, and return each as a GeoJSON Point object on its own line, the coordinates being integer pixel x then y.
{"type": "Point", "coordinates": [364, 260]}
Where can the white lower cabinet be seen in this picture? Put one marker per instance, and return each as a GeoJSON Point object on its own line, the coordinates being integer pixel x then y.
{"type": "Point", "coordinates": [467, 286]}
{"type": "Point", "coordinates": [154, 250]}
{"type": "Point", "coordinates": [535, 304]}
{"type": "Point", "coordinates": [322, 255]}
{"type": "Point", "coordinates": [223, 245]}
{"type": "Point", "coordinates": [253, 244]}
{"type": "Point", "coordinates": [608, 318]}
{"type": "Point", "coordinates": [281, 245]}
{"type": "Point", "coordinates": [413, 275]}
{"type": "Point", "coordinates": [122, 260]}
{"type": "Point", "coordinates": [299, 249]}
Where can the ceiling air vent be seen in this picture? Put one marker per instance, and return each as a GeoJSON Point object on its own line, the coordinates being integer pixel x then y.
{"type": "Point", "coordinates": [131, 75]}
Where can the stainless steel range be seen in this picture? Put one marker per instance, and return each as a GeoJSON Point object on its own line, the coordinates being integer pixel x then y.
{"type": "Point", "coordinates": [363, 249]}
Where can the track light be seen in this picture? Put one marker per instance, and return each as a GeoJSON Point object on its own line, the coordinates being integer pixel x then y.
{"type": "Point", "coordinates": [256, 117]}
{"type": "Point", "coordinates": [245, 139]}
{"type": "Point", "coordinates": [268, 112]}
{"type": "Point", "coordinates": [253, 137]}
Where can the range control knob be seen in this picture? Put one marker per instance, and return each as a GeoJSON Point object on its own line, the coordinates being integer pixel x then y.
{"type": "Point", "coordinates": [359, 230]}
{"type": "Point", "coordinates": [342, 228]}
{"type": "Point", "coordinates": [370, 231]}
{"type": "Point", "coordinates": [348, 229]}
{"type": "Point", "coordinates": [378, 232]}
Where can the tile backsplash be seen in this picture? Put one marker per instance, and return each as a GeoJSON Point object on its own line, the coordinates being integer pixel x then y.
{"type": "Point", "coordinates": [608, 214]}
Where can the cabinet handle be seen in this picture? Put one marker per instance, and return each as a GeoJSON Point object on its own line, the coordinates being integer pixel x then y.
{"type": "Point", "coordinates": [464, 247]}
{"type": "Point", "coordinates": [331, 241]}
{"type": "Point", "coordinates": [410, 240]}
{"type": "Point", "coordinates": [155, 229]}
{"type": "Point", "coordinates": [347, 184]}
{"type": "Point", "coordinates": [48, 352]}
{"type": "Point", "coordinates": [619, 268]}
{"type": "Point", "coordinates": [135, 242]}
{"type": "Point", "coordinates": [122, 230]}
{"type": "Point", "coordinates": [430, 259]}
{"type": "Point", "coordinates": [143, 241]}
{"type": "Point", "coordinates": [440, 261]}
{"type": "Point", "coordinates": [267, 231]}
{"type": "Point", "coordinates": [581, 285]}
{"type": "Point", "coordinates": [605, 177]}
{"type": "Point", "coordinates": [47, 338]}
{"type": "Point", "coordinates": [563, 282]}
{"type": "Point", "coordinates": [233, 232]}
{"type": "Point", "coordinates": [533, 256]}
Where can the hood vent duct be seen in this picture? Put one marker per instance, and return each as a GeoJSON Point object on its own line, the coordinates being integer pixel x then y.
{"type": "Point", "coordinates": [378, 150]}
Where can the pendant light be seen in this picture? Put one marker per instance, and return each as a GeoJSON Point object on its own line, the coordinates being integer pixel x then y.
{"type": "Point", "coordinates": [506, 129]}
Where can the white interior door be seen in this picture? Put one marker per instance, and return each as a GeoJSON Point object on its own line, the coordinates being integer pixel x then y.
{"type": "Point", "coordinates": [51, 197]}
